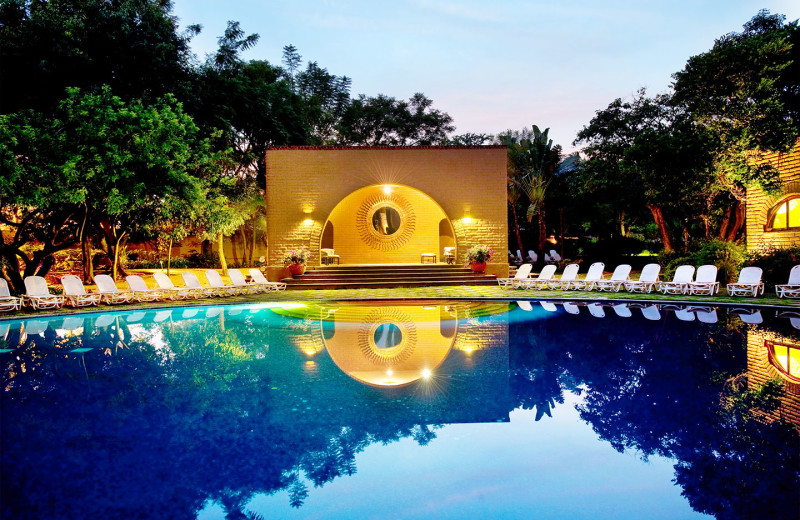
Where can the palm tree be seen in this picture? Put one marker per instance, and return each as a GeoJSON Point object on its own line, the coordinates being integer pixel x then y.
{"type": "Point", "coordinates": [532, 162]}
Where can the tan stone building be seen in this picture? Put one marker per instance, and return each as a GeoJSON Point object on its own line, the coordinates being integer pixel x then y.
{"type": "Point", "coordinates": [774, 221]}
{"type": "Point", "coordinates": [380, 205]}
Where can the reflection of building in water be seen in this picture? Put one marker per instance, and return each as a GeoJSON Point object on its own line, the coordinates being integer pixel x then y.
{"type": "Point", "coordinates": [390, 345]}
{"type": "Point", "coordinates": [440, 364]}
{"type": "Point", "coordinates": [771, 355]}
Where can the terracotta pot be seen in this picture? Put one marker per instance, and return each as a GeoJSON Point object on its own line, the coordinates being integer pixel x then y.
{"type": "Point", "coordinates": [477, 267]}
{"type": "Point", "coordinates": [297, 269]}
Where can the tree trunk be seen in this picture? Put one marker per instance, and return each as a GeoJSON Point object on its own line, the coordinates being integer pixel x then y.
{"type": "Point", "coordinates": [169, 255]}
{"type": "Point", "coordinates": [115, 268]}
{"type": "Point", "coordinates": [244, 246]}
{"type": "Point", "coordinates": [658, 217]}
{"type": "Point", "coordinates": [253, 243]}
{"type": "Point", "coordinates": [723, 227]}
{"type": "Point", "coordinates": [542, 228]}
{"type": "Point", "coordinates": [86, 249]}
{"type": "Point", "coordinates": [223, 263]}
{"type": "Point", "coordinates": [738, 222]}
{"type": "Point", "coordinates": [622, 231]}
{"type": "Point", "coordinates": [233, 249]}
{"type": "Point", "coordinates": [516, 228]}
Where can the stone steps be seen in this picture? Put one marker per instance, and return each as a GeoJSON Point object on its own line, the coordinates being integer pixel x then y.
{"type": "Point", "coordinates": [387, 276]}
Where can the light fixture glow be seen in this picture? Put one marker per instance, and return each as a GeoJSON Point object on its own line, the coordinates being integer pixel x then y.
{"type": "Point", "coordinates": [426, 373]}
{"type": "Point", "coordinates": [389, 372]}
{"type": "Point", "coordinates": [387, 189]}
{"type": "Point", "coordinates": [308, 221]}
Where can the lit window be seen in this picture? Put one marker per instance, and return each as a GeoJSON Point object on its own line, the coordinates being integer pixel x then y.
{"type": "Point", "coordinates": [785, 215]}
{"type": "Point", "coordinates": [786, 358]}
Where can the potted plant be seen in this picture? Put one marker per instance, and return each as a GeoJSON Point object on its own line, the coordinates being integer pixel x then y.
{"type": "Point", "coordinates": [295, 260]}
{"type": "Point", "coordinates": [478, 256]}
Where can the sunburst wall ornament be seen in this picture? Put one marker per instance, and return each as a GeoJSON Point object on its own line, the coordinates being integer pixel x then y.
{"type": "Point", "coordinates": [385, 221]}
{"type": "Point", "coordinates": [396, 353]}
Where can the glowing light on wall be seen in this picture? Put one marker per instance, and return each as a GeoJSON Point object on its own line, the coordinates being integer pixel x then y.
{"type": "Point", "coordinates": [387, 189]}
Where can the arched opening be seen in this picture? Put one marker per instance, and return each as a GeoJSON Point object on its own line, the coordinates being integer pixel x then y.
{"type": "Point", "coordinates": [784, 215]}
{"type": "Point", "coordinates": [384, 224]}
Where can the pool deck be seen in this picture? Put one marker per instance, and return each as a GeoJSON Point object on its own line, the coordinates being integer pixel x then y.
{"type": "Point", "coordinates": [439, 293]}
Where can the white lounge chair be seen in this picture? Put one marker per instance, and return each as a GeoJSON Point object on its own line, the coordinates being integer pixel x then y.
{"type": "Point", "coordinates": [191, 281]}
{"type": "Point", "coordinates": [8, 302]}
{"type": "Point", "coordinates": [258, 277]}
{"type": "Point", "coordinates": [141, 292]}
{"type": "Point", "coordinates": [109, 291]}
{"type": "Point", "coordinates": [75, 293]}
{"type": "Point", "coordinates": [680, 281]}
{"type": "Point", "coordinates": [532, 256]}
{"type": "Point", "coordinates": [215, 281]}
{"type": "Point", "coordinates": [525, 305]}
{"type": "Point", "coordinates": [518, 258]}
{"type": "Point", "coordinates": [169, 289]}
{"type": "Point", "coordinates": [237, 279]}
{"type": "Point", "coordinates": [617, 280]}
{"type": "Point", "coordinates": [569, 275]}
{"type": "Point", "coordinates": [594, 274]}
{"type": "Point", "coordinates": [571, 308]}
{"type": "Point", "coordinates": [705, 283]}
{"type": "Point", "coordinates": [522, 274]}
{"type": "Point", "coordinates": [38, 295]}
{"type": "Point", "coordinates": [791, 289]}
{"type": "Point", "coordinates": [748, 284]}
{"type": "Point", "coordinates": [541, 281]}
{"type": "Point", "coordinates": [552, 257]}
{"type": "Point", "coordinates": [648, 280]}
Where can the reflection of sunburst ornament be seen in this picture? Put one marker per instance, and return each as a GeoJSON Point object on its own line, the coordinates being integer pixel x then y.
{"type": "Point", "coordinates": [392, 355]}
{"type": "Point", "coordinates": [370, 236]}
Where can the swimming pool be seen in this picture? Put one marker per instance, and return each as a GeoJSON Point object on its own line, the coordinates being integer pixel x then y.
{"type": "Point", "coordinates": [401, 410]}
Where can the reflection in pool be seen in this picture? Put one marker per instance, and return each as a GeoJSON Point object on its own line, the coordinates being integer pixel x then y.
{"type": "Point", "coordinates": [457, 410]}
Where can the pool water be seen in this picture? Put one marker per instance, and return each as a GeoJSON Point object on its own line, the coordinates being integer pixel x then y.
{"type": "Point", "coordinates": [401, 410]}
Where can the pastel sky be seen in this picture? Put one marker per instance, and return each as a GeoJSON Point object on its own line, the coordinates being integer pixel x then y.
{"type": "Point", "coordinates": [491, 65]}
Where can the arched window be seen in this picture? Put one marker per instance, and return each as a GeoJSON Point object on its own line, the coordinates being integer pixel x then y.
{"type": "Point", "coordinates": [786, 215]}
{"type": "Point", "coordinates": [786, 358]}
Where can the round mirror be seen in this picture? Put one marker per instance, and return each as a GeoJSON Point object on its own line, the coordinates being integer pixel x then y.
{"type": "Point", "coordinates": [388, 335]}
{"type": "Point", "coordinates": [386, 220]}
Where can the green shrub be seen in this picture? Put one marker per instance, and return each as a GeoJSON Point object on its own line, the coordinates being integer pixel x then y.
{"type": "Point", "coordinates": [208, 260]}
{"type": "Point", "coordinates": [775, 262]}
{"type": "Point", "coordinates": [727, 256]}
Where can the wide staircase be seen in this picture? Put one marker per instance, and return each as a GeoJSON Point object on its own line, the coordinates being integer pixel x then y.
{"type": "Point", "coordinates": [385, 276]}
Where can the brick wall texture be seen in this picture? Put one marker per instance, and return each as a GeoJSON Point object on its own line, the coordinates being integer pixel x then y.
{"type": "Point", "coordinates": [760, 370]}
{"type": "Point", "coordinates": [760, 203]}
{"type": "Point", "coordinates": [464, 186]}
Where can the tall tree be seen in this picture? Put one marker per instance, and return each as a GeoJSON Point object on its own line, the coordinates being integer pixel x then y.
{"type": "Point", "coordinates": [48, 45]}
{"type": "Point", "coordinates": [646, 153]}
{"type": "Point", "coordinates": [112, 166]}
{"type": "Point", "coordinates": [745, 92]}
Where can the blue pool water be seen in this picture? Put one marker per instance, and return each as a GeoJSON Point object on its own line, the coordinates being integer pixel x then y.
{"type": "Point", "coordinates": [402, 410]}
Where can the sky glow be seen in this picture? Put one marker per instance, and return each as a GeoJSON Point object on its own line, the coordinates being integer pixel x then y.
{"type": "Point", "coordinates": [491, 65]}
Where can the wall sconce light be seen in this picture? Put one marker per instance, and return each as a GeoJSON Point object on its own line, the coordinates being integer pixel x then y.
{"type": "Point", "coordinates": [467, 217]}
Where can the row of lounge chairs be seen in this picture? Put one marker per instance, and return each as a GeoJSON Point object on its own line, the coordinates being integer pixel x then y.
{"type": "Point", "coordinates": [686, 280]}
{"type": "Point", "coordinates": [38, 295]}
